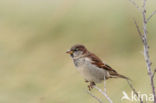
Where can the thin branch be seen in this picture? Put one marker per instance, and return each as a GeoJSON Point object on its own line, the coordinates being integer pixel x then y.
{"type": "Point", "coordinates": [103, 93]}
{"type": "Point", "coordinates": [153, 13]}
{"type": "Point", "coordinates": [138, 29]}
{"type": "Point", "coordinates": [133, 89]}
{"type": "Point", "coordinates": [146, 51]}
{"type": "Point", "coordinates": [153, 87]}
{"type": "Point", "coordinates": [154, 73]}
{"type": "Point", "coordinates": [99, 100]}
{"type": "Point", "coordinates": [104, 82]}
{"type": "Point", "coordinates": [134, 3]}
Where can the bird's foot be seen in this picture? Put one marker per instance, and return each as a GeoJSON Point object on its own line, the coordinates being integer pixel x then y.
{"type": "Point", "coordinates": [91, 85]}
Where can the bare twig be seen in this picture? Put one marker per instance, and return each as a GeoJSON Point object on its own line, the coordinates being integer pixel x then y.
{"type": "Point", "coordinates": [146, 51]}
{"type": "Point", "coordinates": [104, 82]}
{"type": "Point", "coordinates": [153, 13]}
{"type": "Point", "coordinates": [153, 87]}
{"type": "Point", "coordinates": [138, 29]}
{"type": "Point", "coordinates": [135, 4]}
{"type": "Point", "coordinates": [135, 92]}
{"type": "Point", "coordinates": [99, 100]}
{"type": "Point", "coordinates": [145, 44]}
{"type": "Point", "coordinates": [103, 93]}
{"type": "Point", "coordinates": [154, 73]}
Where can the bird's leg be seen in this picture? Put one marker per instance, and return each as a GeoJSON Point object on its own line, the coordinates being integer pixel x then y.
{"type": "Point", "coordinates": [91, 85]}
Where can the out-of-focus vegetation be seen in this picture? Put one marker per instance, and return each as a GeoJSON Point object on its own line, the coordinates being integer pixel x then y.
{"type": "Point", "coordinates": [35, 34]}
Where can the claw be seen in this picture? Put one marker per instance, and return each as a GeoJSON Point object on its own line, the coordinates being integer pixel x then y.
{"type": "Point", "coordinates": [90, 87]}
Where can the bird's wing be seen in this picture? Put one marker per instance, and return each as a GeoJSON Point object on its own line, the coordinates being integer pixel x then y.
{"type": "Point", "coordinates": [98, 62]}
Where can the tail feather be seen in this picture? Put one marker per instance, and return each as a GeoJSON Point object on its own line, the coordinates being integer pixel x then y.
{"type": "Point", "coordinates": [115, 75]}
{"type": "Point", "coordinates": [122, 76]}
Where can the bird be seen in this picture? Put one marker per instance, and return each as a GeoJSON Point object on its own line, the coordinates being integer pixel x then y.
{"type": "Point", "coordinates": [91, 67]}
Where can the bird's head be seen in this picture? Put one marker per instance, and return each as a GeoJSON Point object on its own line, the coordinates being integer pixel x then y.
{"type": "Point", "coordinates": [77, 51]}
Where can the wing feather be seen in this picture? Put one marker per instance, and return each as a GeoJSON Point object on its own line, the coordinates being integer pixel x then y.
{"type": "Point", "coordinates": [98, 62]}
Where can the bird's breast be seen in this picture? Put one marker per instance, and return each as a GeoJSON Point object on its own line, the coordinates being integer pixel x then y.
{"type": "Point", "coordinates": [89, 71]}
{"type": "Point", "coordinates": [79, 62]}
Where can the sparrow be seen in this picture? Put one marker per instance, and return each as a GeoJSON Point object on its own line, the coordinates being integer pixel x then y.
{"type": "Point", "coordinates": [91, 67]}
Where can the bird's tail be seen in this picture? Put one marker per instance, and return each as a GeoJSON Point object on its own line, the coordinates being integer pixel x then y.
{"type": "Point", "coordinates": [116, 75]}
{"type": "Point", "coordinates": [122, 76]}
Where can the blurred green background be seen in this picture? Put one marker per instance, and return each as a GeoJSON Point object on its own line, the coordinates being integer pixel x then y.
{"type": "Point", "coordinates": [35, 34]}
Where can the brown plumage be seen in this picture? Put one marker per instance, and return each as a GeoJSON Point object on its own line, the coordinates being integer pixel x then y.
{"type": "Point", "coordinates": [91, 67]}
{"type": "Point", "coordinates": [98, 62]}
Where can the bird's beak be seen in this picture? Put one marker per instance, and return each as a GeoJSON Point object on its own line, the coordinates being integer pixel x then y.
{"type": "Point", "coordinates": [69, 52]}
